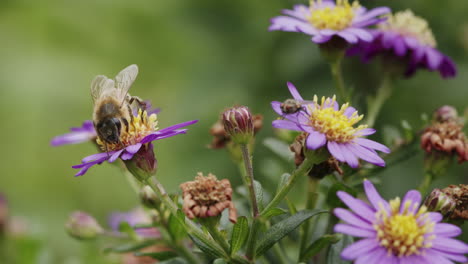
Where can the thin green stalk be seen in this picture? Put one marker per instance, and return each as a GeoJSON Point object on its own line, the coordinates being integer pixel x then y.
{"type": "Point", "coordinates": [211, 224]}
{"type": "Point", "coordinates": [423, 188]}
{"type": "Point", "coordinates": [278, 251]}
{"type": "Point", "coordinates": [187, 254]}
{"type": "Point", "coordinates": [249, 178]}
{"type": "Point", "coordinates": [252, 240]}
{"type": "Point", "coordinates": [374, 104]}
{"type": "Point", "coordinates": [301, 170]}
{"type": "Point", "coordinates": [338, 78]}
{"type": "Point", "coordinates": [310, 204]}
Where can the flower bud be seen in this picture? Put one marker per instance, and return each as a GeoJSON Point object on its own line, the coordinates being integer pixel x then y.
{"type": "Point", "coordinates": [143, 164]}
{"type": "Point", "coordinates": [446, 113]}
{"type": "Point", "coordinates": [149, 198]}
{"type": "Point", "coordinates": [80, 225]}
{"type": "Point", "coordinates": [207, 197]}
{"type": "Point", "coordinates": [438, 201]}
{"type": "Point", "coordinates": [459, 194]}
{"type": "Point", "coordinates": [238, 124]}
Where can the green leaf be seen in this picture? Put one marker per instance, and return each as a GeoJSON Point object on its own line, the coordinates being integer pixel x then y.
{"type": "Point", "coordinates": [283, 180]}
{"type": "Point", "coordinates": [292, 208]}
{"type": "Point", "coordinates": [333, 256]}
{"type": "Point", "coordinates": [316, 246]}
{"type": "Point", "coordinates": [219, 261]}
{"type": "Point", "coordinates": [275, 211]}
{"type": "Point", "coordinates": [240, 232]}
{"type": "Point", "coordinates": [258, 194]}
{"type": "Point", "coordinates": [332, 199]}
{"type": "Point", "coordinates": [176, 229]}
{"type": "Point", "coordinates": [281, 229]}
{"type": "Point", "coordinates": [164, 255]}
{"type": "Point", "coordinates": [174, 261]}
{"type": "Point", "coordinates": [279, 148]}
{"type": "Point", "coordinates": [125, 227]}
{"type": "Point", "coordinates": [130, 247]}
{"type": "Point", "coordinates": [205, 248]}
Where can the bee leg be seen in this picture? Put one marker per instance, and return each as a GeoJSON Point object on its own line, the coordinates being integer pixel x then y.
{"type": "Point", "coordinates": [125, 123]}
{"type": "Point", "coordinates": [130, 110]}
{"type": "Point", "coordinates": [141, 104]}
{"type": "Point", "coordinates": [107, 151]}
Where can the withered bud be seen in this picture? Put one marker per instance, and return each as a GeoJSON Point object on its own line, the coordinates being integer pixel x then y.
{"type": "Point", "coordinates": [207, 196]}
{"type": "Point", "coordinates": [437, 201]}
{"type": "Point", "coordinates": [80, 225]}
{"type": "Point", "coordinates": [238, 124]}
{"type": "Point", "coordinates": [446, 113]}
{"type": "Point", "coordinates": [149, 198]}
{"type": "Point", "coordinates": [458, 193]}
{"type": "Point", "coordinates": [446, 138]}
{"type": "Point", "coordinates": [221, 138]}
{"type": "Point", "coordinates": [318, 170]}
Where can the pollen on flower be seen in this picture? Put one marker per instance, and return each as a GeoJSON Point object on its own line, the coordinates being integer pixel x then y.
{"type": "Point", "coordinates": [338, 17]}
{"type": "Point", "coordinates": [404, 232]}
{"type": "Point", "coordinates": [334, 123]}
{"type": "Point", "coordinates": [139, 127]}
{"type": "Point", "coordinates": [408, 24]}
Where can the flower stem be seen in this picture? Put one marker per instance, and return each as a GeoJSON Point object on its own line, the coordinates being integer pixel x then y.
{"type": "Point", "coordinates": [252, 240]}
{"type": "Point", "coordinates": [301, 170]}
{"type": "Point", "coordinates": [338, 78]}
{"type": "Point", "coordinates": [188, 255]}
{"type": "Point", "coordinates": [249, 178]}
{"type": "Point", "coordinates": [211, 223]}
{"type": "Point", "coordinates": [374, 104]}
{"type": "Point", "coordinates": [424, 186]}
{"type": "Point", "coordinates": [310, 204]}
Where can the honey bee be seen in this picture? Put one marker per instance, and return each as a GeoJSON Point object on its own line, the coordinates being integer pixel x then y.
{"type": "Point", "coordinates": [292, 106]}
{"type": "Point", "coordinates": [113, 105]}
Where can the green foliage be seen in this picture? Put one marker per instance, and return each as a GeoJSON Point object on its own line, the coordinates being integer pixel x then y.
{"type": "Point", "coordinates": [239, 235]}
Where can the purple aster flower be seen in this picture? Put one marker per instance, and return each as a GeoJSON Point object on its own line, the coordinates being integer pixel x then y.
{"type": "Point", "coordinates": [77, 135]}
{"type": "Point", "coordinates": [133, 218]}
{"type": "Point", "coordinates": [408, 39]}
{"type": "Point", "coordinates": [87, 132]}
{"type": "Point", "coordinates": [397, 232]}
{"type": "Point", "coordinates": [142, 130]}
{"type": "Point", "coordinates": [326, 19]}
{"type": "Point", "coordinates": [328, 124]}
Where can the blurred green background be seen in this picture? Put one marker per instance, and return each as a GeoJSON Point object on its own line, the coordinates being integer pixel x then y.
{"type": "Point", "coordinates": [195, 58]}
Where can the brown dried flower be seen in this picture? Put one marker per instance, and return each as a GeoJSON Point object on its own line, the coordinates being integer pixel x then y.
{"type": "Point", "coordinates": [221, 138]}
{"type": "Point", "coordinates": [207, 196]}
{"type": "Point", "coordinates": [446, 137]}
{"type": "Point", "coordinates": [460, 195]}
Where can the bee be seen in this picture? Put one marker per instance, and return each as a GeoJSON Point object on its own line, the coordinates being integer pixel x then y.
{"type": "Point", "coordinates": [292, 106]}
{"type": "Point", "coordinates": [113, 105]}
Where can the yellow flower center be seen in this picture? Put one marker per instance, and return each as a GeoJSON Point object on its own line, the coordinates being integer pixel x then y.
{"type": "Point", "coordinates": [139, 127]}
{"type": "Point", "coordinates": [406, 23]}
{"type": "Point", "coordinates": [334, 123]}
{"type": "Point", "coordinates": [402, 234]}
{"type": "Point", "coordinates": [338, 17]}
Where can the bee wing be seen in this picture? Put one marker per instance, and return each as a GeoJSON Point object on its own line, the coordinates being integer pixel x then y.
{"type": "Point", "coordinates": [100, 85]}
{"type": "Point", "coordinates": [125, 79]}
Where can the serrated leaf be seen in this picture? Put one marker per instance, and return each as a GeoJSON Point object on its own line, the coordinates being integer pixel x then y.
{"type": "Point", "coordinates": [319, 244]}
{"type": "Point", "coordinates": [282, 228]}
{"type": "Point", "coordinates": [205, 248]}
{"type": "Point", "coordinates": [239, 235]}
{"type": "Point", "coordinates": [274, 212]}
{"type": "Point", "coordinates": [164, 255]}
{"type": "Point", "coordinates": [333, 256]}
{"type": "Point", "coordinates": [259, 194]}
{"type": "Point", "coordinates": [130, 247]}
{"type": "Point", "coordinates": [332, 199]}
{"type": "Point", "coordinates": [279, 148]}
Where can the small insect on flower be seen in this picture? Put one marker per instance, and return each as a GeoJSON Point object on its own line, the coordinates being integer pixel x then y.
{"type": "Point", "coordinates": [292, 106]}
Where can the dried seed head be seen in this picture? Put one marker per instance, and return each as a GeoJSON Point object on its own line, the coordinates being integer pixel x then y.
{"type": "Point", "coordinates": [437, 201]}
{"type": "Point", "coordinates": [81, 225]}
{"type": "Point", "coordinates": [447, 138]}
{"type": "Point", "coordinates": [238, 124]}
{"type": "Point", "coordinates": [460, 195]}
{"type": "Point", "coordinates": [207, 196]}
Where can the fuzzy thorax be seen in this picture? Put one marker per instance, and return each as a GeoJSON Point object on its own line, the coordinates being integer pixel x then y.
{"type": "Point", "coordinates": [338, 17]}
{"type": "Point", "coordinates": [139, 127]}
{"type": "Point", "coordinates": [334, 124]}
{"type": "Point", "coordinates": [404, 232]}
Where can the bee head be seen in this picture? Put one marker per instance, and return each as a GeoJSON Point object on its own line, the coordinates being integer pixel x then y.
{"type": "Point", "coordinates": [109, 130]}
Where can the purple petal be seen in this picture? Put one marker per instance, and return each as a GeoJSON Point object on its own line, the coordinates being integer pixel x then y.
{"type": "Point", "coordinates": [366, 154]}
{"type": "Point", "coordinates": [374, 197]}
{"type": "Point", "coordinates": [77, 135]}
{"type": "Point", "coordinates": [315, 140]}
{"type": "Point", "coordinates": [361, 34]}
{"type": "Point", "coordinates": [447, 230]}
{"type": "Point", "coordinates": [290, 24]}
{"type": "Point", "coordinates": [349, 111]}
{"type": "Point", "coordinates": [387, 39]}
{"type": "Point", "coordinates": [174, 127]}
{"type": "Point", "coordinates": [372, 13]}
{"type": "Point", "coordinates": [370, 144]}
{"type": "Point", "coordinates": [335, 151]}
{"type": "Point", "coordinates": [359, 248]}
{"type": "Point", "coordinates": [277, 108]}
{"type": "Point", "coordinates": [378, 255]}
{"type": "Point", "coordinates": [158, 135]}
{"type": "Point", "coordinates": [455, 257]}
{"type": "Point", "coordinates": [115, 155]}
{"type": "Point", "coordinates": [433, 256]}
{"type": "Point", "coordinates": [299, 11]}
{"type": "Point", "coordinates": [349, 155]}
{"type": "Point", "coordinates": [133, 148]}
{"type": "Point", "coordinates": [127, 156]}
{"type": "Point", "coordinates": [352, 219]}
{"type": "Point", "coordinates": [294, 92]}
{"type": "Point", "coordinates": [366, 132]}
{"type": "Point", "coordinates": [413, 259]}
{"type": "Point", "coordinates": [434, 58]}
{"type": "Point", "coordinates": [435, 217]}
{"type": "Point", "coordinates": [286, 124]}
{"type": "Point", "coordinates": [97, 156]}
{"type": "Point", "coordinates": [348, 36]}
{"type": "Point", "coordinates": [450, 245]}
{"type": "Point", "coordinates": [320, 39]}
{"type": "Point", "coordinates": [354, 231]}
{"type": "Point", "coordinates": [414, 197]}
{"type": "Point", "coordinates": [357, 206]}
{"type": "Point", "coordinates": [399, 46]}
